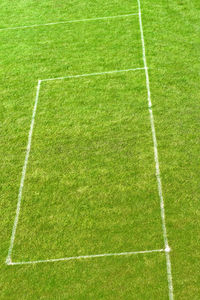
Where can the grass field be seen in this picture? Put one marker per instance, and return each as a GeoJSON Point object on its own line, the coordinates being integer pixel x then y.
{"type": "Point", "coordinates": [88, 209]}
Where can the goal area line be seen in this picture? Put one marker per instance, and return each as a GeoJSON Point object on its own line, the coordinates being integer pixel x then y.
{"type": "Point", "coordinates": [10, 263]}
{"type": "Point", "coordinates": [69, 21]}
{"type": "Point", "coordinates": [8, 260]}
{"type": "Point", "coordinates": [92, 74]}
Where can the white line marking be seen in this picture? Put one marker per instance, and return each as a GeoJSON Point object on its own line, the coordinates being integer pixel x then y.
{"type": "Point", "coordinates": [8, 259]}
{"type": "Point", "coordinates": [70, 21]}
{"type": "Point", "coordinates": [83, 257]}
{"type": "Point", "coordinates": [92, 74]}
{"type": "Point", "coordinates": [162, 207]}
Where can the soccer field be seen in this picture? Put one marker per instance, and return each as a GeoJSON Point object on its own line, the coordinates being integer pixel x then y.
{"type": "Point", "coordinates": [100, 142]}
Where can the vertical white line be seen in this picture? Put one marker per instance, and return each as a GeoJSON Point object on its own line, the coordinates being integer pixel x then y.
{"type": "Point", "coordinates": [8, 259]}
{"type": "Point", "coordinates": [162, 207]}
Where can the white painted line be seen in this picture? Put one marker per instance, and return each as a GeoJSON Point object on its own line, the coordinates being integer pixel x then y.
{"type": "Point", "coordinates": [83, 257]}
{"type": "Point", "coordinates": [8, 259]}
{"type": "Point", "coordinates": [70, 21]}
{"type": "Point", "coordinates": [92, 74]}
{"type": "Point", "coordinates": [162, 207]}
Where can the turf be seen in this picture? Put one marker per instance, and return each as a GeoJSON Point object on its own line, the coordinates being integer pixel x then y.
{"type": "Point", "coordinates": [90, 185]}
{"type": "Point", "coordinates": [83, 170]}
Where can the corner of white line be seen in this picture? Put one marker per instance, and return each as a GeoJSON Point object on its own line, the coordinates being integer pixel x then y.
{"type": "Point", "coordinates": [167, 249]}
{"type": "Point", "coordinates": [8, 261]}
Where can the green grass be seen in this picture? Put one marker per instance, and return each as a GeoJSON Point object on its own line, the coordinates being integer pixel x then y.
{"type": "Point", "coordinates": [90, 185]}
{"type": "Point", "coordinates": [86, 174]}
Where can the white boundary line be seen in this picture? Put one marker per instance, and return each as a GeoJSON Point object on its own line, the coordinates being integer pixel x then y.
{"type": "Point", "coordinates": [85, 257]}
{"type": "Point", "coordinates": [92, 74]}
{"type": "Point", "coordinates": [162, 206]}
{"type": "Point", "coordinates": [8, 259]}
{"type": "Point", "coordinates": [70, 21]}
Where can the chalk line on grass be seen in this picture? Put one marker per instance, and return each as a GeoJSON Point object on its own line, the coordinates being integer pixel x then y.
{"type": "Point", "coordinates": [8, 259]}
{"type": "Point", "coordinates": [92, 74]}
{"type": "Point", "coordinates": [162, 206]}
{"type": "Point", "coordinates": [85, 257]}
{"type": "Point", "coordinates": [69, 21]}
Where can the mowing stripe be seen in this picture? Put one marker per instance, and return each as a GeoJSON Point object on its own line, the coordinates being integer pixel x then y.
{"type": "Point", "coordinates": [8, 259]}
{"type": "Point", "coordinates": [70, 21]}
{"type": "Point", "coordinates": [92, 74]}
{"type": "Point", "coordinates": [162, 206]}
{"type": "Point", "coordinates": [10, 263]}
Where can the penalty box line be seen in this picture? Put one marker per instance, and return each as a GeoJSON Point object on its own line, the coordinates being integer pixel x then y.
{"type": "Point", "coordinates": [69, 21]}
{"type": "Point", "coordinates": [10, 263]}
{"type": "Point", "coordinates": [92, 74]}
{"type": "Point", "coordinates": [157, 165]}
{"type": "Point", "coordinates": [12, 240]}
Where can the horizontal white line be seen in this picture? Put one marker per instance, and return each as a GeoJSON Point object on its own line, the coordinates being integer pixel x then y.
{"type": "Point", "coordinates": [92, 74]}
{"type": "Point", "coordinates": [85, 257]}
{"type": "Point", "coordinates": [70, 21]}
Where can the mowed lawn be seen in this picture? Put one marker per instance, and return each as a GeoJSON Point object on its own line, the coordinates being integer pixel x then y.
{"type": "Point", "coordinates": [90, 185]}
